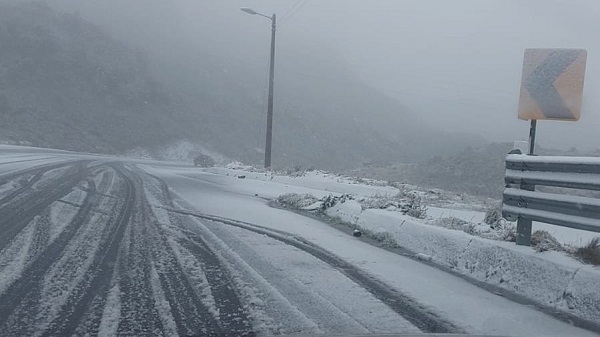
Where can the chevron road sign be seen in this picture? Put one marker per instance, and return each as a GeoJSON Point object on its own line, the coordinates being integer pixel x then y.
{"type": "Point", "coordinates": [552, 84]}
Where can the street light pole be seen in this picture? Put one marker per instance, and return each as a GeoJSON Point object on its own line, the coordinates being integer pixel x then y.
{"type": "Point", "coordinates": [269, 141]}
{"type": "Point", "coordinates": [271, 94]}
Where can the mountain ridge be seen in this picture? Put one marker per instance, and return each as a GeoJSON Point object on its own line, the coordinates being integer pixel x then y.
{"type": "Point", "coordinates": [66, 83]}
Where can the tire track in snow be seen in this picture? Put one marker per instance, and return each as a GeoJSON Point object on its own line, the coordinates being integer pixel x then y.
{"type": "Point", "coordinates": [26, 160]}
{"type": "Point", "coordinates": [402, 304]}
{"type": "Point", "coordinates": [41, 235]}
{"type": "Point", "coordinates": [324, 295]}
{"type": "Point", "coordinates": [6, 177]}
{"type": "Point", "coordinates": [190, 314]}
{"type": "Point", "coordinates": [139, 315]}
{"type": "Point", "coordinates": [134, 268]}
{"type": "Point", "coordinates": [96, 282]}
{"type": "Point", "coordinates": [232, 317]}
{"type": "Point", "coordinates": [14, 217]}
{"type": "Point", "coordinates": [26, 184]}
{"type": "Point", "coordinates": [22, 296]}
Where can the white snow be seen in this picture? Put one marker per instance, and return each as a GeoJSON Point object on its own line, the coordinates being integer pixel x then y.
{"type": "Point", "coordinates": [552, 197]}
{"type": "Point", "coordinates": [198, 278]}
{"type": "Point", "coordinates": [553, 159]}
{"type": "Point", "coordinates": [567, 236]}
{"type": "Point", "coordinates": [466, 215]}
{"type": "Point", "coordinates": [111, 315]}
{"type": "Point", "coordinates": [8, 187]}
{"type": "Point", "coordinates": [542, 277]}
{"type": "Point", "coordinates": [550, 277]}
{"type": "Point", "coordinates": [270, 311]}
{"type": "Point", "coordinates": [61, 213]}
{"type": "Point", "coordinates": [452, 297]}
{"type": "Point", "coordinates": [161, 214]}
{"type": "Point", "coordinates": [318, 182]}
{"type": "Point", "coordinates": [162, 305]}
{"type": "Point", "coordinates": [68, 271]}
{"type": "Point", "coordinates": [11, 167]}
{"type": "Point", "coordinates": [13, 258]}
{"type": "Point", "coordinates": [555, 178]}
{"type": "Point", "coordinates": [326, 296]}
{"type": "Point", "coordinates": [564, 219]}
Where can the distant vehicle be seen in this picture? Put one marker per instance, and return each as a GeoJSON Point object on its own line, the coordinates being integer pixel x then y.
{"type": "Point", "coordinates": [204, 161]}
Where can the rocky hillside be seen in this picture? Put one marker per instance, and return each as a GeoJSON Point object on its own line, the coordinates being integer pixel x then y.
{"type": "Point", "coordinates": [65, 83]}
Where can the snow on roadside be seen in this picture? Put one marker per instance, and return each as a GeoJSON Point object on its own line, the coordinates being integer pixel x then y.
{"type": "Point", "coordinates": [446, 209]}
{"type": "Point", "coordinates": [541, 277]}
{"type": "Point", "coordinates": [316, 180]}
{"type": "Point", "coordinates": [566, 236]}
{"type": "Point", "coordinates": [465, 215]}
{"type": "Point", "coordinates": [343, 184]}
{"type": "Point", "coordinates": [478, 310]}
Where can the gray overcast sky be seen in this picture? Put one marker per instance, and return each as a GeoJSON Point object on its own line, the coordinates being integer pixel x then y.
{"type": "Point", "coordinates": [456, 63]}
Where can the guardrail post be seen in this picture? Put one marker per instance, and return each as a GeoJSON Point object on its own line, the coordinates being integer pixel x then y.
{"type": "Point", "coordinates": [523, 232]}
{"type": "Point", "coordinates": [524, 225]}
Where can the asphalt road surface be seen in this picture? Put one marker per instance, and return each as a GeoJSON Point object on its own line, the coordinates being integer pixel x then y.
{"type": "Point", "coordinates": [94, 246]}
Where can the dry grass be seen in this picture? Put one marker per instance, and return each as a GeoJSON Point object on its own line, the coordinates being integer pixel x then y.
{"type": "Point", "coordinates": [296, 201]}
{"type": "Point", "coordinates": [590, 253]}
{"type": "Point", "coordinates": [543, 241]}
{"type": "Point", "coordinates": [384, 238]}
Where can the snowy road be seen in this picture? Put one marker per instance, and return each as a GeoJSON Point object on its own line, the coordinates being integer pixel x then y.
{"type": "Point", "coordinates": [83, 252]}
{"type": "Point", "coordinates": [110, 247]}
{"type": "Point", "coordinates": [92, 247]}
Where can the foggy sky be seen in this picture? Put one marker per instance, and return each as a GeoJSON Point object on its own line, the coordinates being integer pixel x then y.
{"type": "Point", "coordinates": [457, 64]}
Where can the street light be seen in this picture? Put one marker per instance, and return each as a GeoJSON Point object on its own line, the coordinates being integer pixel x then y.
{"type": "Point", "coordinates": [271, 76]}
{"type": "Point", "coordinates": [248, 10]}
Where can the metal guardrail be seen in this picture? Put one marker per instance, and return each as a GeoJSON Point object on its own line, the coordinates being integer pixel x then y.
{"type": "Point", "coordinates": [523, 204]}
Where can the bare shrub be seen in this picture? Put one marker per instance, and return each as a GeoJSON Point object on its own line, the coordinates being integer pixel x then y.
{"type": "Point", "coordinates": [590, 253]}
{"type": "Point", "coordinates": [543, 241]}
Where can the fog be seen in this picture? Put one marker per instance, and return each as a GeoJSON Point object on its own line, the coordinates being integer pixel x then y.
{"type": "Point", "coordinates": [455, 64]}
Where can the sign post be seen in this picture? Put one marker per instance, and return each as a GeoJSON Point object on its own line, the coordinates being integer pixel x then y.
{"type": "Point", "coordinates": [551, 88]}
{"type": "Point", "coordinates": [532, 136]}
